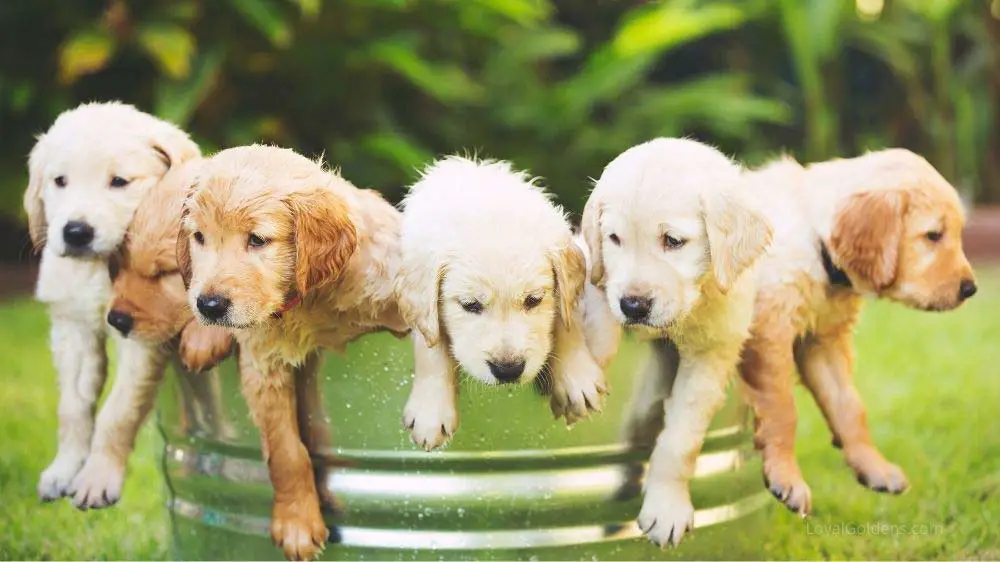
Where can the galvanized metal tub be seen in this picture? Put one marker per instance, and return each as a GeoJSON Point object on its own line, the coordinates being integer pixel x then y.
{"type": "Point", "coordinates": [513, 484]}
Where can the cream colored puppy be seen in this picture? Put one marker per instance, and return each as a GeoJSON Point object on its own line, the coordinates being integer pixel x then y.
{"type": "Point", "coordinates": [672, 246]}
{"type": "Point", "coordinates": [491, 281]}
{"type": "Point", "coordinates": [87, 174]}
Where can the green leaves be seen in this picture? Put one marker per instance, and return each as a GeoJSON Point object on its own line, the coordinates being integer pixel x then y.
{"type": "Point", "coordinates": [176, 100]}
{"type": "Point", "coordinates": [170, 45]}
{"type": "Point", "coordinates": [445, 82]}
{"type": "Point", "coordinates": [268, 19]}
{"type": "Point", "coordinates": [665, 25]}
{"type": "Point", "coordinates": [85, 52]}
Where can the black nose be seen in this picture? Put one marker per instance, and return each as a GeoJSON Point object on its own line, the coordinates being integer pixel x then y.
{"type": "Point", "coordinates": [78, 234]}
{"type": "Point", "coordinates": [506, 371]}
{"type": "Point", "coordinates": [213, 307]}
{"type": "Point", "coordinates": [966, 289]}
{"type": "Point", "coordinates": [121, 321]}
{"type": "Point", "coordinates": [636, 309]}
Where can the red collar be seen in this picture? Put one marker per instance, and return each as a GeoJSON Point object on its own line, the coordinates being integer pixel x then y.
{"type": "Point", "coordinates": [289, 304]}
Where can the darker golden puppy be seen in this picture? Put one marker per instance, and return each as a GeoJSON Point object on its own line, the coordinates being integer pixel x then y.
{"type": "Point", "coordinates": [293, 259]}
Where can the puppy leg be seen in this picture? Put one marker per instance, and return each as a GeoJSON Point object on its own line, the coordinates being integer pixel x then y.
{"type": "Point", "coordinates": [767, 371]}
{"type": "Point", "coordinates": [81, 361]}
{"type": "Point", "coordinates": [826, 368]}
{"type": "Point", "coordinates": [578, 384]}
{"type": "Point", "coordinates": [314, 426]}
{"type": "Point", "coordinates": [201, 347]}
{"type": "Point", "coordinates": [140, 370]}
{"type": "Point", "coordinates": [297, 525]}
{"type": "Point", "coordinates": [601, 328]}
{"type": "Point", "coordinates": [699, 392]}
{"type": "Point", "coordinates": [431, 413]}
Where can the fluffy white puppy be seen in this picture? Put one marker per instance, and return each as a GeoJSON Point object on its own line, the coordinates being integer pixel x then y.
{"type": "Point", "coordinates": [672, 245]}
{"type": "Point", "coordinates": [491, 281]}
{"type": "Point", "coordinates": [87, 174]}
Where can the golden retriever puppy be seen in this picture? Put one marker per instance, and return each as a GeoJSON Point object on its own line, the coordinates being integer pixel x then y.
{"type": "Point", "coordinates": [293, 259]}
{"type": "Point", "coordinates": [673, 245]}
{"type": "Point", "coordinates": [149, 311]}
{"type": "Point", "coordinates": [87, 174]}
{"type": "Point", "coordinates": [885, 224]}
{"type": "Point", "coordinates": [491, 280]}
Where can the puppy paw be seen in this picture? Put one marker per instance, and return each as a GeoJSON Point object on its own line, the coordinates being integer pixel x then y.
{"type": "Point", "coordinates": [875, 472]}
{"type": "Point", "coordinates": [202, 347]}
{"type": "Point", "coordinates": [56, 479]}
{"type": "Point", "coordinates": [784, 480]}
{"type": "Point", "coordinates": [98, 484]}
{"type": "Point", "coordinates": [430, 416]}
{"type": "Point", "coordinates": [578, 390]}
{"type": "Point", "coordinates": [666, 514]}
{"type": "Point", "coordinates": [299, 531]}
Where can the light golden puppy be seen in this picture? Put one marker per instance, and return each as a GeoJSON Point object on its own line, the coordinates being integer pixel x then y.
{"type": "Point", "coordinates": [673, 244]}
{"type": "Point", "coordinates": [149, 311]}
{"type": "Point", "coordinates": [884, 224]}
{"type": "Point", "coordinates": [491, 280]}
{"type": "Point", "coordinates": [293, 259]}
{"type": "Point", "coordinates": [87, 174]}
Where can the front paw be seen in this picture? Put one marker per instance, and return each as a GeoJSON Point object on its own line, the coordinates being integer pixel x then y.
{"type": "Point", "coordinates": [56, 479]}
{"type": "Point", "coordinates": [202, 347]}
{"type": "Point", "coordinates": [667, 514]}
{"type": "Point", "coordinates": [98, 484]}
{"type": "Point", "coordinates": [431, 418]}
{"type": "Point", "coordinates": [784, 480]}
{"type": "Point", "coordinates": [299, 530]}
{"type": "Point", "coordinates": [577, 390]}
{"type": "Point", "coordinates": [875, 472]}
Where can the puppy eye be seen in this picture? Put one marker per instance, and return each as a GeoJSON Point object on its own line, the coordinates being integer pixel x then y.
{"type": "Point", "coordinates": [60, 181]}
{"type": "Point", "coordinates": [474, 307]}
{"type": "Point", "coordinates": [935, 235]}
{"type": "Point", "coordinates": [673, 243]}
{"type": "Point", "coordinates": [165, 273]}
{"type": "Point", "coordinates": [531, 301]}
{"type": "Point", "coordinates": [256, 241]}
{"type": "Point", "coordinates": [199, 237]}
{"type": "Point", "coordinates": [119, 182]}
{"type": "Point", "coordinates": [614, 239]}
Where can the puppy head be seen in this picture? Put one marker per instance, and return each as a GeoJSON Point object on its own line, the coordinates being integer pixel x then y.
{"type": "Point", "coordinates": [261, 226]}
{"type": "Point", "coordinates": [497, 277]}
{"type": "Point", "coordinates": [149, 301]}
{"type": "Point", "coordinates": [89, 171]}
{"type": "Point", "coordinates": [666, 223]}
{"type": "Point", "coordinates": [903, 239]}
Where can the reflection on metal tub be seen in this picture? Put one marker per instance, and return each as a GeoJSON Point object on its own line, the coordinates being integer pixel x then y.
{"type": "Point", "coordinates": [513, 484]}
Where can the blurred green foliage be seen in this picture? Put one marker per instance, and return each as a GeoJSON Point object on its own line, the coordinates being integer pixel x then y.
{"type": "Point", "coordinates": [558, 86]}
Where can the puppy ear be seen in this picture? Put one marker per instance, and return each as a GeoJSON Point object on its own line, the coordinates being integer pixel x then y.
{"type": "Point", "coordinates": [570, 267]}
{"type": "Point", "coordinates": [418, 293]}
{"type": "Point", "coordinates": [590, 224]}
{"type": "Point", "coordinates": [184, 252]}
{"type": "Point", "coordinates": [737, 235]}
{"type": "Point", "coordinates": [172, 145]}
{"type": "Point", "coordinates": [867, 232]}
{"type": "Point", "coordinates": [325, 237]}
{"type": "Point", "coordinates": [34, 207]}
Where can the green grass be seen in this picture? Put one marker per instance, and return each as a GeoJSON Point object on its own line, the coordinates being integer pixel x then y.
{"type": "Point", "coordinates": [931, 383]}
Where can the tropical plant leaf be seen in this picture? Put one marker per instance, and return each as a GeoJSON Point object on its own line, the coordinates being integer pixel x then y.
{"type": "Point", "coordinates": [170, 45]}
{"type": "Point", "coordinates": [447, 83]}
{"type": "Point", "coordinates": [267, 18]}
{"type": "Point", "coordinates": [668, 24]}
{"type": "Point", "coordinates": [176, 101]}
{"type": "Point", "coordinates": [85, 52]}
{"type": "Point", "coordinates": [404, 153]}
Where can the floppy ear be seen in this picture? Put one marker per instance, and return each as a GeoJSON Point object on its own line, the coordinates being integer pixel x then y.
{"type": "Point", "coordinates": [184, 252]}
{"type": "Point", "coordinates": [325, 238]}
{"type": "Point", "coordinates": [737, 235]}
{"type": "Point", "coordinates": [34, 207]}
{"type": "Point", "coordinates": [570, 267]}
{"type": "Point", "coordinates": [418, 293]}
{"type": "Point", "coordinates": [590, 224]}
{"type": "Point", "coordinates": [172, 145]}
{"type": "Point", "coordinates": [866, 235]}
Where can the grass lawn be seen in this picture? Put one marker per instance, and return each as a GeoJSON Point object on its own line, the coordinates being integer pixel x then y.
{"type": "Point", "coordinates": [931, 383]}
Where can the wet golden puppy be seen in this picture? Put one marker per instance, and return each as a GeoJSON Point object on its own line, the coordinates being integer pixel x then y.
{"type": "Point", "coordinates": [673, 244]}
{"type": "Point", "coordinates": [884, 224]}
{"type": "Point", "coordinates": [149, 310]}
{"type": "Point", "coordinates": [293, 259]}
{"type": "Point", "coordinates": [86, 176]}
{"type": "Point", "coordinates": [491, 279]}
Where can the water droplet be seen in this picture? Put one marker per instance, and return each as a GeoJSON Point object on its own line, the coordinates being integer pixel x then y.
{"type": "Point", "coordinates": [461, 512]}
{"type": "Point", "coordinates": [348, 405]}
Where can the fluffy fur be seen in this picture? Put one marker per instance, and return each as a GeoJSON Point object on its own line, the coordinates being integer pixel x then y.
{"type": "Point", "coordinates": [894, 226]}
{"type": "Point", "coordinates": [491, 281]}
{"type": "Point", "coordinates": [673, 245]}
{"type": "Point", "coordinates": [264, 229]}
{"type": "Point", "coordinates": [87, 174]}
{"type": "Point", "coordinates": [149, 310]}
